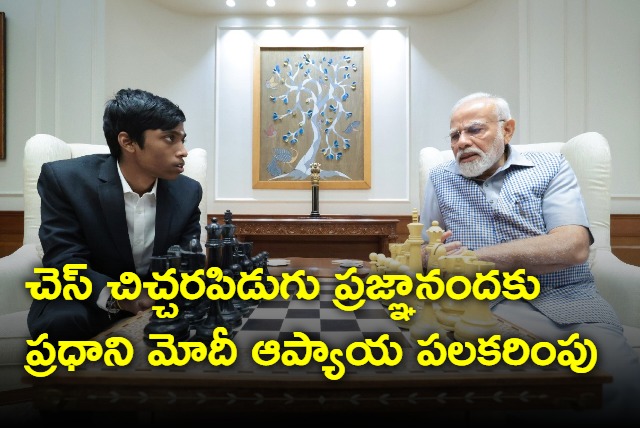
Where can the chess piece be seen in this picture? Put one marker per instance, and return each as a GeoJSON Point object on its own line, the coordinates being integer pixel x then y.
{"type": "Point", "coordinates": [394, 250]}
{"type": "Point", "coordinates": [426, 323]}
{"type": "Point", "coordinates": [265, 259]}
{"type": "Point", "coordinates": [257, 262]}
{"type": "Point", "coordinates": [414, 242]}
{"type": "Point", "coordinates": [380, 267]}
{"type": "Point", "coordinates": [248, 249]}
{"type": "Point", "coordinates": [214, 318]}
{"type": "Point", "coordinates": [477, 320]}
{"type": "Point", "coordinates": [450, 309]}
{"type": "Point", "coordinates": [437, 252]}
{"type": "Point", "coordinates": [214, 244]}
{"type": "Point", "coordinates": [408, 262]}
{"type": "Point", "coordinates": [228, 241]}
{"type": "Point", "coordinates": [264, 264]}
{"type": "Point", "coordinates": [241, 305]}
{"type": "Point", "coordinates": [177, 326]}
{"type": "Point", "coordinates": [410, 300]}
{"type": "Point", "coordinates": [229, 313]}
{"type": "Point", "coordinates": [248, 267]}
{"type": "Point", "coordinates": [192, 259]}
{"type": "Point", "coordinates": [315, 190]}
{"type": "Point", "coordinates": [434, 248]}
{"type": "Point", "coordinates": [248, 263]}
{"type": "Point", "coordinates": [381, 263]}
{"type": "Point", "coordinates": [393, 266]}
{"type": "Point", "coordinates": [373, 264]}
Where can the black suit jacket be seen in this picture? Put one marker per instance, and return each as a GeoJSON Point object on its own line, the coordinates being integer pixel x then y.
{"type": "Point", "coordinates": [84, 221]}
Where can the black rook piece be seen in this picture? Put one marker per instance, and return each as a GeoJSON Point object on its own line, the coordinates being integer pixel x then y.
{"type": "Point", "coordinates": [178, 327]}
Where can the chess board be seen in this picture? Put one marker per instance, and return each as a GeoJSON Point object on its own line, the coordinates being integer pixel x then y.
{"type": "Point", "coordinates": [246, 386]}
{"type": "Point", "coordinates": [319, 319]}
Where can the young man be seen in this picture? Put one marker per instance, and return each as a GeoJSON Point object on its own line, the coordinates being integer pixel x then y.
{"type": "Point", "coordinates": [114, 211]}
{"type": "Point", "coordinates": [525, 210]}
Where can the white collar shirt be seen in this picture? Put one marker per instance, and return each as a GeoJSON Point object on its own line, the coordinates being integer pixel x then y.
{"type": "Point", "coordinates": [141, 219]}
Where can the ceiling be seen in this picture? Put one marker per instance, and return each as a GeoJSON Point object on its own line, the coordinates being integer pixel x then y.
{"type": "Point", "coordinates": [323, 7]}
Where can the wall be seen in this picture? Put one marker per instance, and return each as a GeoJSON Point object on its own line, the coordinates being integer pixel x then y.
{"type": "Point", "coordinates": [566, 66]}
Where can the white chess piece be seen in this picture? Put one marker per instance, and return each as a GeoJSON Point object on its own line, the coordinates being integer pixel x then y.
{"type": "Point", "coordinates": [450, 309]}
{"type": "Point", "coordinates": [410, 300]}
{"type": "Point", "coordinates": [414, 243]}
{"type": "Point", "coordinates": [477, 320]}
{"type": "Point", "coordinates": [373, 264]}
{"type": "Point", "coordinates": [426, 323]}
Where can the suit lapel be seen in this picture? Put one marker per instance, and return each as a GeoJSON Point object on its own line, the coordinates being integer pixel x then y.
{"type": "Point", "coordinates": [112, 204]}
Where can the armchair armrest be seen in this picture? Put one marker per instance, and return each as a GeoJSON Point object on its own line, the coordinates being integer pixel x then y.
{"type": "Point", "coordinates": [619, 283]}
{"type": "Point", "coordinates": [15, 270]}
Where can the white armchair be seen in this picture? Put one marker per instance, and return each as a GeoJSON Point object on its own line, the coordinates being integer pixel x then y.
{"type": "Point", "coordinates": [590, 157]}
{"type": "Point", "coordinates": [17, 268]}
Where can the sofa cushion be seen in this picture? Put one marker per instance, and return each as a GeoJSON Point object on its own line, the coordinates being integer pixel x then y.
{"type": "Point", "coordinates": [16, 269]}
{"type": "Point", "coordinates": [13, 349]}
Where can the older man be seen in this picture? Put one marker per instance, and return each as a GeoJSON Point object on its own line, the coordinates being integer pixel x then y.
{"type": "Point", "coordinates": [525, 210]}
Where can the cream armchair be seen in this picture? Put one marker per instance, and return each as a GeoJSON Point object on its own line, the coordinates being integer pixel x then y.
{"type": "Point", "coordinates": [589, 156]}
{"type": "Point", "coordinates": [17, 268]}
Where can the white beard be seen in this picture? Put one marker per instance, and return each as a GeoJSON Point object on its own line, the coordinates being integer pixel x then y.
{"type": "Point", "coordinates": [486, 161]}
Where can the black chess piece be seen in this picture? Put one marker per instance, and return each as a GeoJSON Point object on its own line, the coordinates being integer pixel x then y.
{"type": "Point", "coordinates": [255, 261]}
{"type": "Point", "coordinates": [248, 267]}
{"type": "Point", "coordinates": [214, 319]}
{"type": "Point", "coordinates": [264, 264]}
{"type": "Point", "coordinates": [178, 327]}
{"type": "Point", "coordinates": [229, 313]}
{"type": "Point", "coordinates": [243, 306]}
{"type": "Point", "coordinates": [214, 244]}
{"type": "Point", "coordinates": [228, 241]}
{"type": "Point", "coordinates": [247, 249]}
{"type": "Point", "coordinates": [192, 259]}
{"type": "Point", "coordinates": [249, 263]}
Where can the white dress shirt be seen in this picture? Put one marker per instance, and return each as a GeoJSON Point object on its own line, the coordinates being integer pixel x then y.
{"type": "Point", "coordinates": [141, 219]}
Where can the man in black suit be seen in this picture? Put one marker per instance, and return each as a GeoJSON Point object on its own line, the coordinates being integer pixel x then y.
{"type": "Point", "coordinates": [114, 211]}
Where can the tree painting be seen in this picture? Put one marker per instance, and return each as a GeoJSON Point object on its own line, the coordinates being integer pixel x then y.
{"type": "Point", "coordinates": [312, 110]}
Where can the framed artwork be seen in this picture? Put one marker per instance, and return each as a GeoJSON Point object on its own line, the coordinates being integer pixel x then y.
{"type": "Point", "coordinates": [3, 153]}
{"type": "Point", "coordinates": [311, 105]}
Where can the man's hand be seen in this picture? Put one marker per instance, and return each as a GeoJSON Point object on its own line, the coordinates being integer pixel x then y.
{"type": "Point", "coordinates": [142, 303]}
{"type": "Point", "coordinates": [453, 247]}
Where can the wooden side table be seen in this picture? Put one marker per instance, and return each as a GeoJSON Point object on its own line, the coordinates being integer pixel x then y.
{"type": "Point", "coordinates": [331, 237]}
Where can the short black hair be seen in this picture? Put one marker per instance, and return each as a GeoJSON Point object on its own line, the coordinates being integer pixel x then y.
{"type": "Point", "coordinates": [134, 111]}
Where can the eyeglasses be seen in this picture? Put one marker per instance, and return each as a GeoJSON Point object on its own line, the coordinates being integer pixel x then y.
{"type": "Point", "coordinates": [475, 129]}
